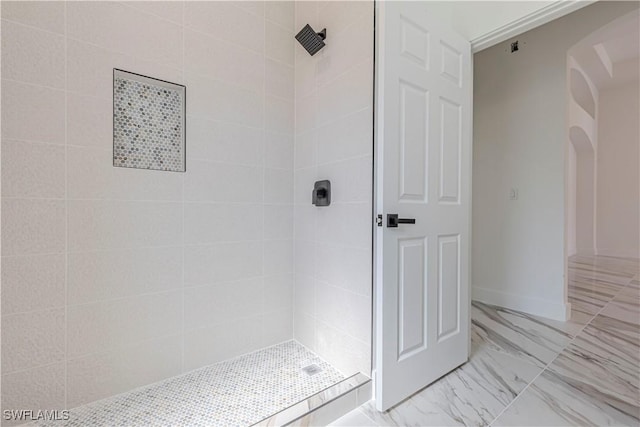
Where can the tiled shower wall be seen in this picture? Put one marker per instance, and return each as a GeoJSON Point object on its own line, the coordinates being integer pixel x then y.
{"type": "Point", "coordinates": [334, 122]}
{"type": "Point", "coordinates": [113, 278]}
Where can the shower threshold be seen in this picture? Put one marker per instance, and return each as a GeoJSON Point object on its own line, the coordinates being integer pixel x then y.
{"type": "Point", "coordinates": [237, 392]}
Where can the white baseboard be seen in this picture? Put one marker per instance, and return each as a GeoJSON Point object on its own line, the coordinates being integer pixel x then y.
{"type": "Point", "coordinates": [529, 305]}
{"type": "Point", "coordinates": [586, 251]}
{"type": "Point", "coordinates": [618, 253]}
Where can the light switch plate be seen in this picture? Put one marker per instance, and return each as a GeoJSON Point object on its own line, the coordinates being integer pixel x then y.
{"type": "Point", "coordinates": [513, 194]}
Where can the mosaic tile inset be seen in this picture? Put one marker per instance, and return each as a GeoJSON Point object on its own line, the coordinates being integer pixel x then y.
{"type": "Point", "coordinates": [148, 123]}
{"type": "Point", "coordinates": [236, 392]}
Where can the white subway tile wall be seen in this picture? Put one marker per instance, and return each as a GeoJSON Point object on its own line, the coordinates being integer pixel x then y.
{"type": "Point", "coordinates": [334, 116]}
{"type": "Point", "coordinates": [114, 278]}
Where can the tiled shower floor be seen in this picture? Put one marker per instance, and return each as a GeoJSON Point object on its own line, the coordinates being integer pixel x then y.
{"type": "Point", "coordinates": [237, 392]}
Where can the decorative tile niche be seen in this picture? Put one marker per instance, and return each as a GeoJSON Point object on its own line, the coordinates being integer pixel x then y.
{"type": "Point", "coordinates": [148, 123]}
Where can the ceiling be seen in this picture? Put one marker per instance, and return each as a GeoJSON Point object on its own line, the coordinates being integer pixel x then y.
{"type": "Point", "coordinates": [611, 55]}
{"type": "Point", "coordinates": [485, 23]}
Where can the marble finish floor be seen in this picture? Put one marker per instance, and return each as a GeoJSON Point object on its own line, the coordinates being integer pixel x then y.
{"type": "Point", "coordinates": [526, 370]}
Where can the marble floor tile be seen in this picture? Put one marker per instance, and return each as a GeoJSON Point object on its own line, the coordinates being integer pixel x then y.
{"type": "Point", "coordinates": [598, 360]}
{"type": "Point", "coordinates": [550, 401]}
{"type": "Point", "coordinates": [578, 320]}
{"type": "Point", "coordinates": [356, 418]}
{"type": "Point", "coordinates": [518, 334]}
{"type": "Point", "coordinates": [589, 295]}
{"type": "Point", "coordinates": [614, 323]}
{"type": "Point", "coordinates": [527, 370]}
{"type": "Point", "coordinates": [581, 273]}
{"type": "Point", "coordinates": [410, 413]}
{"type": "Point", "coordinates": [617, 266]}
{"type": "Point", "coordinates": [596, 379]}
{"type": "Point", "coordinates": [629, 296]}
{"type": "Point", "coordinates": [632, 290]}
{"type": "Point", "coordinates": [625, 306]}
{"type": "Point", "coordinates": [473, 394]}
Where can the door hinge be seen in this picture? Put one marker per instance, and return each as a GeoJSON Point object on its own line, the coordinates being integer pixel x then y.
{"type": "Point", "coordinates": [379, 220]}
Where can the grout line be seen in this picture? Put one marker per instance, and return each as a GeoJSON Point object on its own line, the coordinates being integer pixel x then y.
{"type": "Point", "coordinates": [277, 24]}
{"type": "Point", "coordinates": [264, 164]}
{"type": "Point", "coordinates": [252, 166]}
{"type": "Point", "coordinates": [183, 291]}
{"type": "Point", "coordinates": [26, 141]}
{"type": "Point", "coordinates": [337, 162]}
{"type": "Point", "coordinates": [40, 86]}
{"type": "Point", "coordinates": [42, 199]}
{"type": "Point", "coordinates": [342, 288]}
{"type": "Point", "coordinates": [126, 345]}
{"type": "Point", "coordinates": [239, 45]}
{"type": "Point", "coordinates": [155, 62]}
{"type": "Point", "coordinates": [362, 412]}
{"type": "Point", "coordinates": [314, 129]}
{"type": "Point", "coordinates": [556, 356]}
{"type": "Point", "coordinates": [62, 307]}
{"type": "Point", "coordinates": [131, 5]}
{"type": "Point", "coordinates": [109, 300]}
{"type": "Point", "coordinates": [46, 365]}
{"type": "Point", "coordinates": [318, 126]}
{"type": "Point", "coordinates": [238, 124]}
{"type": "Point", "coordinates": [155, 338]}
{"type": "Point", "coordinates": [163, 201]}
{"type": "Point", "coordinates": [293, 160]}
{"type": "Point", "coordinates": [173, 201]}
{"type": "Point", "coordinates": [44, 254]}
{"type": "Point", "coordinates": [333, 121]}
{"type": "Point", "coordinates": [34, 27]}
{"type": "Point", "coordinates": [2, 293]}
{"type": "Point", "coordinates": [66, 214]}
{"type": "Point", "coordinates": [333, 79]}
{"type": "Point", "coordinates": [136, 248]}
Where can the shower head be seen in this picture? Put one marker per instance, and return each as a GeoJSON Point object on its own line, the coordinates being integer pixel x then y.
{"type": "Point", "coordinates": [311, 40]}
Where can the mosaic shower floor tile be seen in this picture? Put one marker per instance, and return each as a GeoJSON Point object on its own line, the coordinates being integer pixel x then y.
{"type": "Point", "coordinates": [237, 392]}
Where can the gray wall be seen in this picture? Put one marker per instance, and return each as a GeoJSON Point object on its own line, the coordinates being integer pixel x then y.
{"type": "Point", "coordinates": [520, 141]}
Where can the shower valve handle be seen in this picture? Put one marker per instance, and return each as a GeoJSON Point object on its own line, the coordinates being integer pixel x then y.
{"type": "Point", "coordinates": [393, 220]}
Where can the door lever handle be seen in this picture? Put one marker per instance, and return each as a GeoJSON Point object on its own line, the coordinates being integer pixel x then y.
{"type": "Point", "coordinates": [393, 220]}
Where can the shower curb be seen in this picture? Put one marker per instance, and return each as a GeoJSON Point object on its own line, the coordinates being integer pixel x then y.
{"type": "Point", "coordinates": [325, 406]}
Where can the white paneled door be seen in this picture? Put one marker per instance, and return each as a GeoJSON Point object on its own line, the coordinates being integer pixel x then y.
{"type": "Point", "coordinates": [423, 135]}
